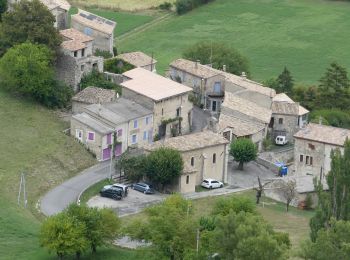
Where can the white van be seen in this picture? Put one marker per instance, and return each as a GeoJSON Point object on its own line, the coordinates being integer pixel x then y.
{"type": "Point", "coordinates": [281, 140]}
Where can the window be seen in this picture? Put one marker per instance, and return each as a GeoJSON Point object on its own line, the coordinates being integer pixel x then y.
{"type": "Point", "coordinates": [301, 158]}
{"type": "Point", "coordinates": [192, 161]}
{"type": "Point", "coordinates": [145, 135]}
{"type": "Point", "coordinates": [135, 123]}
{"type": "Point", "coordinates": [162, 111]}
{"type": "Point", "coordinates": [83, 52]}
{"type": "Point", "coordinates": [75, 54]}
{"type": "Point", "coordinates": [91, 136]}
{"type": "Point", "coordinates": [280, 121]}
{"type": "Point", "coordinates": [217, 87]}
{"type": "Point", "coordinates": [213, 105]}
{"type": "Point", "coordinates": [88, 31]}
{"type": "Point", "coordinates": [147, 120]}
{"type": "Point", "coordinates": [187, 179]}
{"type": "Point", "coordinates": [82, 67]}
{"type": "Point", "coordinates": [133, 139]}
{"type": "Point", "coordinates": [311, 160]}
{"type": "Point", "coordinates": [109, 138]}
{"type": "Point", "coordinates": [311, 146]}
{"type": "Point", "coordinates": [79, 134]}
{"type": "Point", "coordinates": [178, 112]}
{"type": "Point", "coordinates": [214, 157]}
{"type": "Point", "coordinates": [120, 132]}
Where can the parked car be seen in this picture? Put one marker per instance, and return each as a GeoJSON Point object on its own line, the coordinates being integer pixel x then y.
{"type": "Point", "coordinates": [281, 140]}
{"type": "Point", "coordinates": [212, 184]}
{"type": "Point", "coordinates": [110, 191]}
{"type": "Point", "coordinates": [143, 187]}
{"type": "Point", "coordinates": [122, 187]}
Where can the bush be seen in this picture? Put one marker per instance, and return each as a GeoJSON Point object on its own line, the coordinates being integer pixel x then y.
{"type": "Point", "coordinates": [117, 66]}
{"type": "Point", "coordinates": [308, 201]}
{"type": "Point", "coordinates": [59, 96]}
{"type": "Point", "coordinates": [97, 79]}
{"type": "Point", "coordinates": [235, 204]}
{"type": "Point", "coordinates": [104, 54]}
{"type": "Point", "coordinates": [183, 6]}
{"type": "Point", "coordinates": [165, 6]}
{"type": "Point", "coordinates": [333, 117]}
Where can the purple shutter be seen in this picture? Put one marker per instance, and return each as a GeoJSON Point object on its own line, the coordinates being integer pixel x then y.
{"type": "Point", "coordinates": [109, 138]}
{"type": "Point", "coordinates": [91, 136]}
{"type": "Point", "coordinates": [106, 154]}
{"type": "Point", "coordinates": [118, 149]}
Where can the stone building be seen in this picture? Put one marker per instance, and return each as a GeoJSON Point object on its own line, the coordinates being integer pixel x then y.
{"type": "Point", "coordinates": [97, 126]}
{"type": "Point", "coordinates": [312, 149]}
{"type": "Point", "coordinates": [92, 95]}
{"type": "Point", "coordinates": [76, 59]}
{"type": "Point", "coordinates": [208, 84]}
{"type": "Point", "coordinates": [287, 117]}
{"type": "Point", "coordinates": [205, 155]}
{"type": "Point", "coordinates": [167, 99]}
{"type": "Point", "coordinates": [139, 60]}
{"type": "Point", "coordinates": [58, 8]}
{"type": "Point", "coordinates": [101, 29]}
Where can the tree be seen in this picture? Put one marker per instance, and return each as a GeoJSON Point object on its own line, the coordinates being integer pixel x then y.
{"type": "Point", "coordinates": [132, 166]}
{"type": "Point", "coordinates": [163, 165]}
{"type": "Point", "coordinates": [64, 235]}
{"type": "Point", "coordinates": [245, 235]}
{"type": "Point", "coordinates": [97, 79]}
{"type": "Point", "coordinates": [334, 85]}
{"type": "Point", "coordinates": [218, 54]}
{"type": "Point", "coordinates": [170, 228]}
{"type": "Point", "coordinates": [27, 69]}
{"type": "Point", "coordinates": [102, 226]}
{"type": "Point", "coordinates": [336, 202]}
{"type": "Point", "coordinates": [3, 7]}
{"type": "Point", "coordinates": [285, 82]}
{"type": "Point", "coordinates": [243, 150]}
{"type": "Point", "coordinates": [236, 204]}
{"type": "Point", "coordinates": [28, 21]}
{"type": "Point", "coordinates": [332, 243]}
{"type": "Point", "coordinates": [288, 190]}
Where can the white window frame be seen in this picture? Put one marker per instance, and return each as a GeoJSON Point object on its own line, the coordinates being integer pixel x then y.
{"type": "Point", "coordinates": [77, 131]}
{"type": "Point", "coordinates": [145, 135]}
{"type": "Point", "coordinates": [132, 141]}
{"type": "Point", "coordinates": [137, 124]}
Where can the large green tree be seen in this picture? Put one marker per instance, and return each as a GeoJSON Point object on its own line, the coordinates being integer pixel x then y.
{"type": "Point", "coordinates": [102, 225]}
{"type": "Point", "coordinates": [218, 54]}
{"type": "Point", "coordinates": [243, 150]}
{"type": "Point", "coordinates": [132, 166]}
{"type": "Point", "coordinates": [336, 202]}
{"type": "Point", "coordinates": [163, 165]}
{"type": "Point", "coordinates": [28, 21]}
{"type": "Point", "coordinates": [334, 85]}
{"type": "Point", "coordinates": [3, 7]}
{"type": "Point", "coordinates": [285, 82]}
{"type": "Point", "coordinates": [64, 235]}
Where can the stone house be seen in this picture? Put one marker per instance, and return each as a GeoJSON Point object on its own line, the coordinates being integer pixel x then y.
{"type": "Point", "coordinates": [205, 155]}
{"type": "Point", "coordinates": [312, 148]}
{"type": "Point", "coordinates": [208, 84]}
{"type": "Point", "coordinates": [58, 8]}
{"type": "Point", "coordinates": [287, 116]}
{"type": "Point", "coordinates": [167, 99]}
{"type": "Point", "coordinates": [139, 60]}
{"type": "Point", "coordinates": [76, 59]}
{"type": "Point", "coordinates": [244, 115]}
{"type": "Point", "coordinates": [97, 127]}
{"type": "Point", "coordinates": [92, 95]}
{"type": "Point", "coordinates": [99, 28]}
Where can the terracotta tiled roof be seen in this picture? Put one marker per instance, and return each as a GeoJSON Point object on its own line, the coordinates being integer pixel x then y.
{"type": "Point", "coordinates": [94, 21]}
{"type": "Point", "coordinates": [151, 85]}
{"type": "Point", "coordinates": [93, 95]}
{"type": "Point", "coordinates": [194, 68]}
{"type": "Point", "coordinates": [324, 134]}
{"type": "Point", "coordinates": [238, 126]}
{"type": "Point", "coordinates": [282, 104]}
{"type": "Point", "coordinates": [190, 142]}
{"type": "Point", "coordinates": [52, 4]}
{"type": "Point", "coordinates": [74, 40]}
{"type": "Point", "coordinates": [137, 58]}
{"type": "Point", "coordinates": [246, 107]}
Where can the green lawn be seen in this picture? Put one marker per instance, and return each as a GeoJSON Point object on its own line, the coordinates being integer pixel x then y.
{"type": "Point", "coordinates": [304, 35]}
{"type": "Point", "coordinates": [125, 21]}
{"type": "Point", "coordinates": [32, 141]}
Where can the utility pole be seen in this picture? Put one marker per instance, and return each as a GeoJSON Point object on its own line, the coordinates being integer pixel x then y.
{"type": "Point", "coordinates": [111, 161]}
{"type": "Point", "coordinates": [197, 247]}
{"type": "Point", "coordinates": [22, 186]}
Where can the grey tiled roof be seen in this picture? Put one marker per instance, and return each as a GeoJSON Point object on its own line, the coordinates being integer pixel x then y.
{"type": "Point", "coordinates": [239, 127]}
{"type": "Point", "coordinates": [93, 123]}
{"type": "Point", "coordinates": [93, 95]}
{"type": "Point", "coordinates": [137, 58]}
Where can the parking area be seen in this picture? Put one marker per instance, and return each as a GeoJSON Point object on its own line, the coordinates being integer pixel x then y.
{"type": "Point", "coordinates": [133, 203]}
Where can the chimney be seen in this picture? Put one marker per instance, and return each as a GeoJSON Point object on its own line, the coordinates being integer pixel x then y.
{"type": "Point", "coordinates": [196, 64]}
{"type": "Point", "coordinates": [243, 75]}
{"type": "Point", "coordinates": [224, 68]}
{"type": "Point", "coordinates": [320, 120]}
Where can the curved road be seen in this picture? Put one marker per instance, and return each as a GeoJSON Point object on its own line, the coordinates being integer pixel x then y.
{"type": "Point", "coordinates": [66, 193]}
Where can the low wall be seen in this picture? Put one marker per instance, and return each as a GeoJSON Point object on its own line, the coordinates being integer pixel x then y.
{"type": "Point", "coordinates": [115, 78]}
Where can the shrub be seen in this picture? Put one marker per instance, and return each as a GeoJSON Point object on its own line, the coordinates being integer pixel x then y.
{"type": "Point", "coordinates": [117, 66]}
{"type": "Point", "coordinates": [333, 117]}
{"type": "Point", "coordinates": [184, 6]}
{"type": "Point", "coordinates": [104, 54]}
{"type": "Point", "coordinates": [165, 6]}
{"type": "Point", "coordinates": [97, 79]}
{"type": "Point", "coordinates": [235, 204]}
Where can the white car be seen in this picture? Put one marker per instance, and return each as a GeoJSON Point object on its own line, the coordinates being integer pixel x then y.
{"type": "Point", "coordinates": [212, 184]}
{"type": "Point", "coordinates": [281, 140]}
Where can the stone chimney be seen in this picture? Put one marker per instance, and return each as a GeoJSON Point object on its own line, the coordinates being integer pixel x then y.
{"type": "Point", "coordinates": [243, 75]}
{"type": "Point", "coordinates": [196, 64]}
{"type": "Point", "coordinates": [224, 68]}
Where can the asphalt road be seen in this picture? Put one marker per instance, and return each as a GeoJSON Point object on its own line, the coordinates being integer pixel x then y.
{"type": "Point", "coordinates": [57, 199]}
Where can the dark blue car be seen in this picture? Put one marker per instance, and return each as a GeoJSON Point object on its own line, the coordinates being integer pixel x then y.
{"type": "Point", "coordinates": [143, 187]}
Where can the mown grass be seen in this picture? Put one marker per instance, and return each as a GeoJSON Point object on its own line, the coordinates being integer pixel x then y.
{"type": "Point", "coordinates": [32, 141]}
{"type": "Point", "coordinates": [93, 190]}
{"type": "Point", "coordinates": [129, 5]}
{"type": "Point", "coordinates": [304, 35]}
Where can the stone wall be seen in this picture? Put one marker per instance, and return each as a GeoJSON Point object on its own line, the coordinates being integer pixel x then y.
{"type": "Point", "coordinates": [115, 78]}
{"type": "Point", "coordinates": [288, 128]}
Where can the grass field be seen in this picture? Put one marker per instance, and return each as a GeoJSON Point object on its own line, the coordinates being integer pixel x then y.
{"type": "Point", "coordinates": [304, 35]}
{"type": "Point", "coordinates": [126, 5]}
{"type": "Point", "coordinates": [32, 141]}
